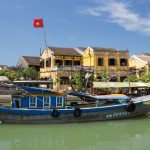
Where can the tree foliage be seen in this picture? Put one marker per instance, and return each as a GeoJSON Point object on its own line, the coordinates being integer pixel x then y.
{"type": "Point", "coordinates": [30, 74]}
{"type": "Point", "coordinates": [27, 74]}
{"type": "Point", "coordinates": [12, 75]}
{"type": "Point", "coordinates": [104, 77]}
{"type": "Point", "coordinates": [82, 79]}
{"type": "Point", "coordinates": [145, 77]}
{"type": "Point", "coordinates": [2, 72]}
{"type": "Point", "coordinates": [131, 78]}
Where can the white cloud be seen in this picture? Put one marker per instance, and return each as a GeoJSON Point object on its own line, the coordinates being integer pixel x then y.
{"type": "Point", "coordinates": [91, 11]}
{"type": "Point", "coordinates": [119, 12]}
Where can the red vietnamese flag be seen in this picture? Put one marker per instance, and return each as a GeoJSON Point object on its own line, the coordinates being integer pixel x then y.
{"type": "Point", "coordinates": [38, 23]}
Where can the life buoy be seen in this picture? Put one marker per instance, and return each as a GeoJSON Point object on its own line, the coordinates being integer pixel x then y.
{"type": "Point", "coordinates": [55, 113]}
{"type": "Point", "coordinates": [130, 107]}
{"type": "Point", "coordinates": [77, 112]}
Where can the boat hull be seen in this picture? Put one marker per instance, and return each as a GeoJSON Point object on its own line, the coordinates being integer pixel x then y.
{"type": "Point", "coordinates": [20, 115]}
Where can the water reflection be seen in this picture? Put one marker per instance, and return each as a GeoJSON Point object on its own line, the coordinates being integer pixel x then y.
{"type": "Point", "coordinates": [112, 135]}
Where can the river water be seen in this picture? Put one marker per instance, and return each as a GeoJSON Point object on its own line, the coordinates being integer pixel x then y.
{"type": "Point", "coordinates": [129, 134]}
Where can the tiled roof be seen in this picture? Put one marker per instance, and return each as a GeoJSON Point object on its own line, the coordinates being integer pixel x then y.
{"type": "Point", "coordinates": [99, 49]}
{"type": "Point", "coordinates": [145, 58]}
{"type": "Point", "coordinates": [64, 51]}
{"type": "Point", "coordinates": [3, 66]}
{"type": "Point", "coordinates": [144, 54]}
{"type": "Point", "coordinates": [123, 50]}
{"type": "Point", "coordinates": [31, 60]}
{"type": "Point", "coordinates": [12, 68]}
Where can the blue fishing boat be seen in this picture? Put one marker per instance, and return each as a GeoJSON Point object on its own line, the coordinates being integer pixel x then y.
{"type": "Point", "coordinates": [40, 105]}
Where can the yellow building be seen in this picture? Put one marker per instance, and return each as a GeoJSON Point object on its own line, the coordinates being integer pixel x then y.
{"type": "Point", "coordinates": [140, 62]}
{"type": "Point", "coordinates": [111, 61]}
{"type": "Point", "coordinates": [60, 64]}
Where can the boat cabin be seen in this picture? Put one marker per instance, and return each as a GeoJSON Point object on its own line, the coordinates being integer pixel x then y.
{"type": "Point", "coordinates": [31, 97]}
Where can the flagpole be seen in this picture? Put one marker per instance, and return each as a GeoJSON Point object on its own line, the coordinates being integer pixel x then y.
{"type": "Point", "coordinates": [45, 38]}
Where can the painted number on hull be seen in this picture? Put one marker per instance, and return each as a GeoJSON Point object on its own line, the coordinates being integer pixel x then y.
{"type": "Point", "coordinates": [118, 114]}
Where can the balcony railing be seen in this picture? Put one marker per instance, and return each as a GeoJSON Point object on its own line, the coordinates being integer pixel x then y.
{"type": "Point", "coordinates": [71, 68]}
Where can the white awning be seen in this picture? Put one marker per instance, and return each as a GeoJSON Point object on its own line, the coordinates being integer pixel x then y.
{"type": "Point", "coordinates": [119, 84]}
{"type": "Point", "coordinates": [4, 79]}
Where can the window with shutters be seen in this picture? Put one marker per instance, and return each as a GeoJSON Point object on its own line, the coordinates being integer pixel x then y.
{"type": "Point", "coordinates": [76, 63]}
{"type": "Point", "coordinates": [42, 64]}
{"type": "Point", "coordinates": [123, 62]}
{"type": "Point", "coordinates": [68, 62]}
{"type": "Point", "coordinates": [58, 62]}
{"type": "Point", "coordinates": [100, 61]}
{"type": "Point", "coordinates": [112, 62]}
{"type": "Point", "coordinates": [48, 62]}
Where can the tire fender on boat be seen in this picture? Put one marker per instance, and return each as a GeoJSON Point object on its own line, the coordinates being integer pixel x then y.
{"type": "Point", "coordinates": [55, 113]}
{"type": "Point", "coordinates": [130, 107]}
{"type": "Point", "coordinates": [77, 112]}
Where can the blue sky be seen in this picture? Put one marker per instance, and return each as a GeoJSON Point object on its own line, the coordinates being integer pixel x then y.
{"type": "Point", "coordinates": [119, 24]}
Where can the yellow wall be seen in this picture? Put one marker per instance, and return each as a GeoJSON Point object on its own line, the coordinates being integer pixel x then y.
{"type": "Point", "coordinates": [137, 63]}
{"type": "Point", "coordinates": [45, 72]}
{"type": "Point", "coordinates": [90, 58]}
